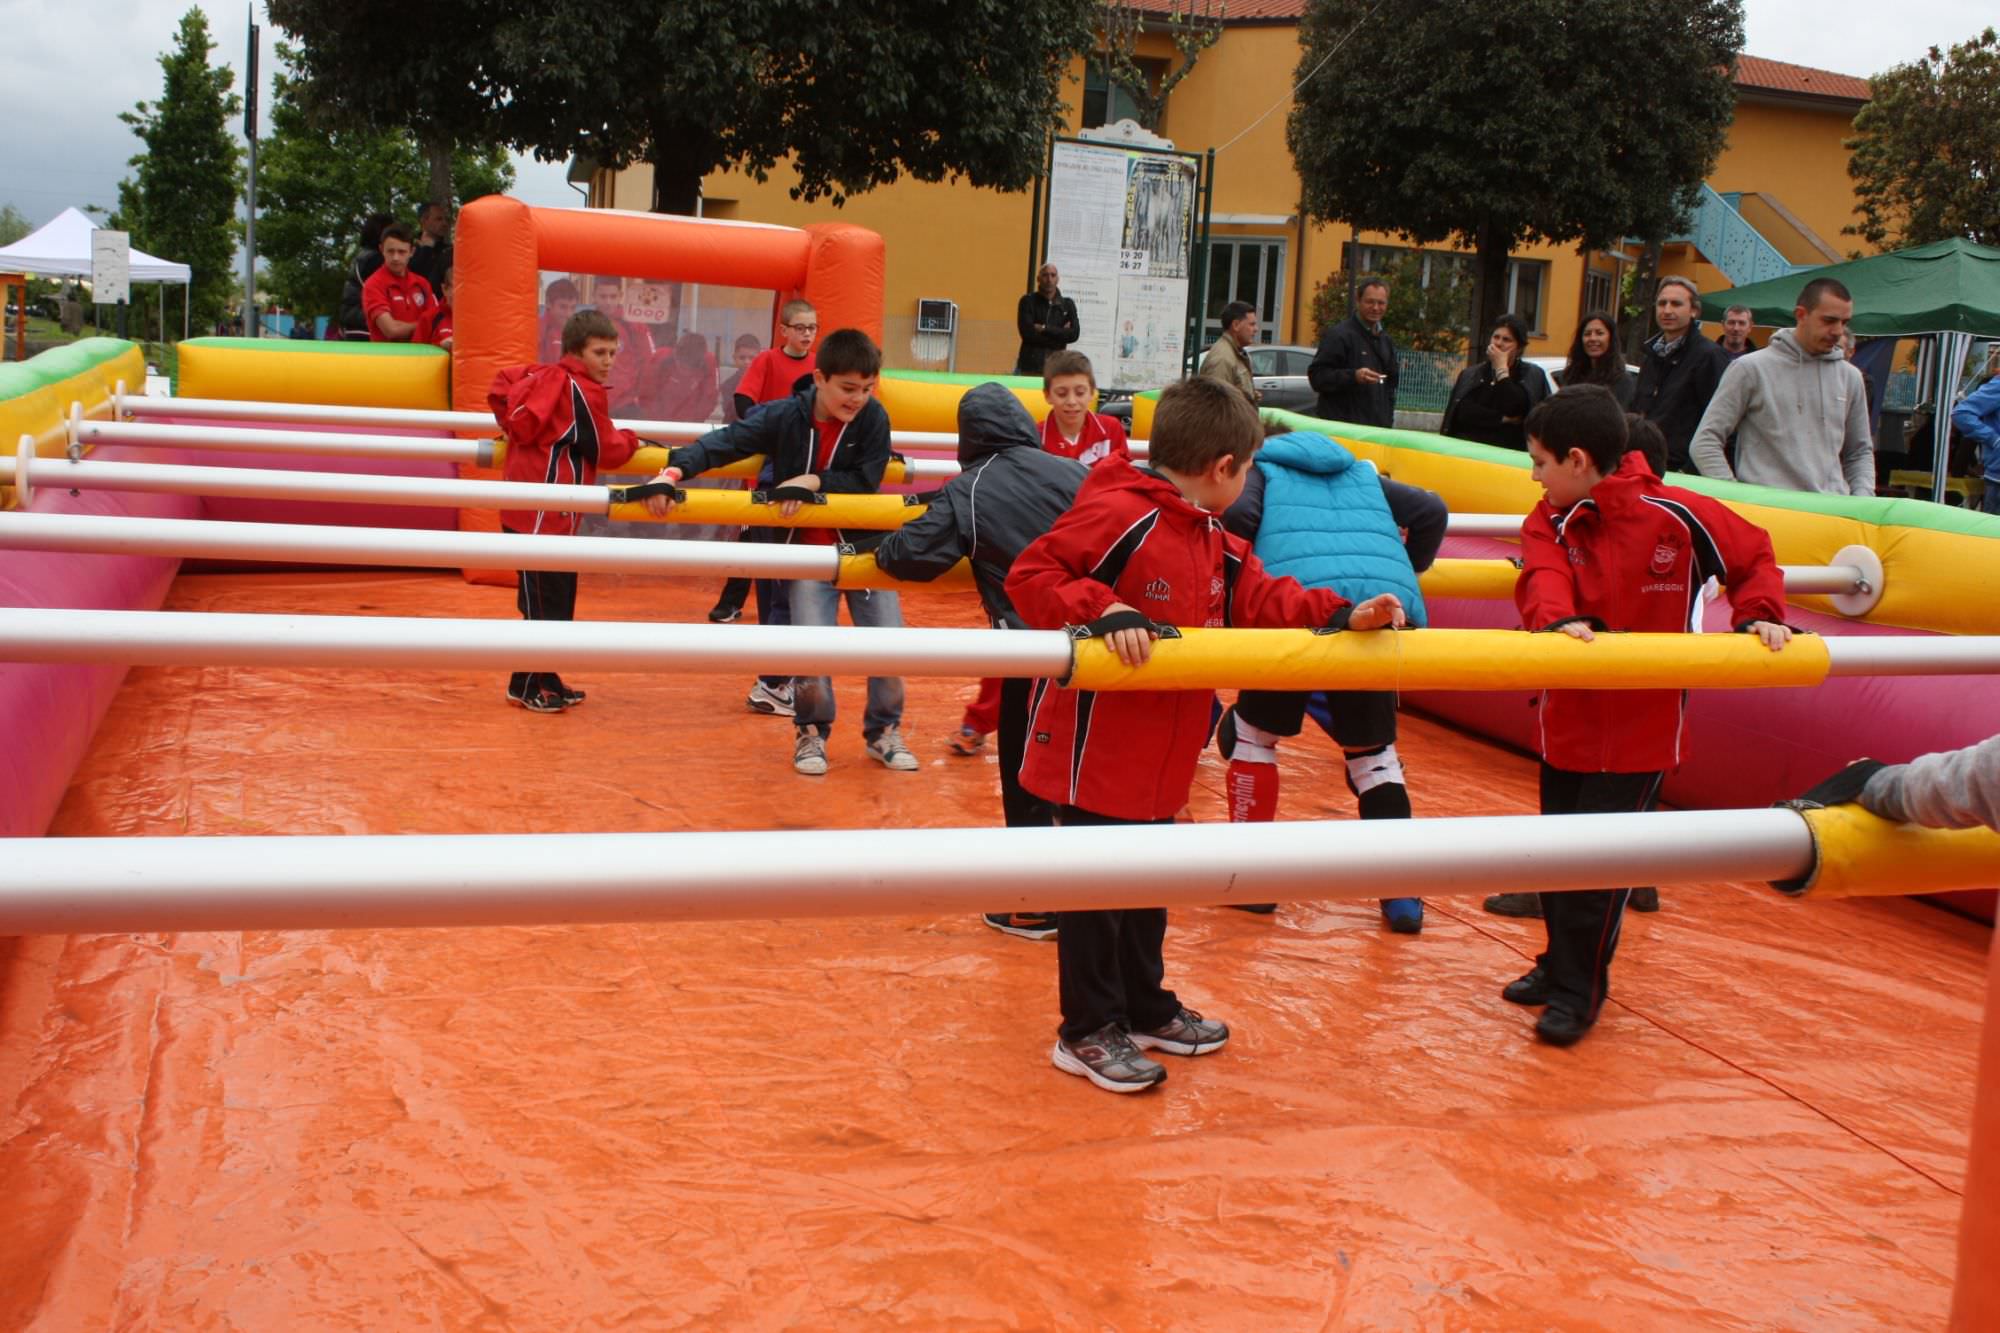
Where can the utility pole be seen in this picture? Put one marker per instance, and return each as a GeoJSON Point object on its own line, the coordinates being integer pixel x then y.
{"type": "Point", "coordinates": [250, 210]}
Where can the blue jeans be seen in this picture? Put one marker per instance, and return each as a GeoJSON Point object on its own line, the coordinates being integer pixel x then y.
{"type": "Point", "coordinates": [1989, 499]}
{"type": "Point", "coordinates": [817, 603]}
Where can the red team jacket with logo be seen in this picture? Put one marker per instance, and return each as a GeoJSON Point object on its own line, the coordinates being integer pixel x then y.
{"type": "Point", "coordinates": [1102, 437]}
{"type": "Point", "coordinates": [1635, 555]}
{"type": "Point", "coordinates": [1132, 537]}
{"type": "Point", "coordinates": [558, 427]}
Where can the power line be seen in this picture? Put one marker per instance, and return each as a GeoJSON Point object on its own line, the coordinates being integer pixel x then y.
{"type": "Point", "coordinates": [1293, 95]}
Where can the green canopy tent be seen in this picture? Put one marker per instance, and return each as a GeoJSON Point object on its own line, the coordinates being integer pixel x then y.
{"type": "Point", "coordinates": [1948, 291]}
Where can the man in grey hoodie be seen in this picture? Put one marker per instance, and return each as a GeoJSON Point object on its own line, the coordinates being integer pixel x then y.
{"type": "Point", "coordinates": [1798, 408]}
{"type": "Point", "coordinates": [1949, 789]}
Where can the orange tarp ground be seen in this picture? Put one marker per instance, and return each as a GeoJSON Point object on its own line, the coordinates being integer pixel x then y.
{"type": "Point", "coordinates": [854, 1124]}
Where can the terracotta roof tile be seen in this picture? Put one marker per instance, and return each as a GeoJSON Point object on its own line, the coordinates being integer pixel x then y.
{"type": "Point", "coordinates": [1243, 10]}
{"type": "Point", "coordinates": [1753, 73]}
{"type": "Point", "coordinates": [1757, 74]}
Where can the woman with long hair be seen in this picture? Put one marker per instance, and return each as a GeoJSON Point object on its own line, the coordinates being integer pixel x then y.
{"type": "Point", "coordinates": [1594, 358]}
{"type": "Point", "coordinates": [1491, 399]}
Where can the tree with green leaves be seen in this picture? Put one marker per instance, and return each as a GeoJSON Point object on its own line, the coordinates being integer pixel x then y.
{"type": "Point", "coordinates": [1500, 125]}
{"type": "Point", "coordinates": [315, 187]}
{"type": "Point", "coordinates": [1926, 151]}
{"type": "Point", "coordinates": [13, 224]}
{"type": "Point", "coordinates": [421, 69]}
{"type": "Point", "coordinates": [1192, 26]}
{"type": "Point", "coordinates": [1428, 304]}
{"type": "Point", "coordinates": [854, 92]}
{"type": "Point", "coordinates": [180, 201]}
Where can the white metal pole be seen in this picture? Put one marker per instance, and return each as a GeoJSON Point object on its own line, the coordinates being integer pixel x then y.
{"type": "Point", "coordinates": [239, 439]}
{"type": "Point", "coordinates": [1913, 655]}
{"type": "Point", "coordinates": [180, 638]}
{"type": "Point", "coordinates": [225, 409]}
{"type": "Point", "coordinates": [279, 484]}
{"type": "Point", "coordinates": [317, 414]}
{"type": "Point", "coordinates": [276, 484]}
{"type": "Point", "coordinates": [314, 543]}
{"type": "Point", "coordinates": [1485, 525]}
{"type": "Point", "coordinates": [168, 638]}
{"type": "Point", "coordinates": [309, 543]}
{"type": "Point", "coordinates": [91, 885]}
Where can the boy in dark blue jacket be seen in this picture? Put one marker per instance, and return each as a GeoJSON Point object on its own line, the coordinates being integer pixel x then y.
{"type": "Point", "coordinates": [830, 437]}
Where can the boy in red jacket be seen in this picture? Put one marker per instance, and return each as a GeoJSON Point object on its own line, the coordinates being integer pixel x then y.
{"type": "Point", "coordinates": [558, 428]}
{"type": "Point", "coordinates": [1147, 537]}
{"type": "Point", "coordinates": [1612, 548]}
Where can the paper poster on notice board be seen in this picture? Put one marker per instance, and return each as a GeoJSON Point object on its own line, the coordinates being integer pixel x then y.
{"type": "Point", "coordinates": [1121, 232]}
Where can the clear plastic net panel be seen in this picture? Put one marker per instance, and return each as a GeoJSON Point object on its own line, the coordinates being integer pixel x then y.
{"type": "Point", "coordinates": [682, 347]}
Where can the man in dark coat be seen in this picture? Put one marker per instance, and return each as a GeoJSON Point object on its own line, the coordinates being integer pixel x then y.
{"type": "Point", "coordinates": [1047, 321]}
{"type": "Point", "coordinates": [1681, 370]}
{"type": "Point", "coordinates": [1355, 371]}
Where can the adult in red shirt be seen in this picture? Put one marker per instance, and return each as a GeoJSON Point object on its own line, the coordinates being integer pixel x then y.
{"type": "Point", "coordinates": [635, 350]}
{"type": "Point", "coordinates": [681, 383]}
{"type": "Point", "coordinates": [559, 303]}
{"type": "Point", "coordinates": [394, 300]}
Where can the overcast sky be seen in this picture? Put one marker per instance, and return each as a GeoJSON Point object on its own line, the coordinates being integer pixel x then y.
{"type": "Point", "coordinates": [68, 67]}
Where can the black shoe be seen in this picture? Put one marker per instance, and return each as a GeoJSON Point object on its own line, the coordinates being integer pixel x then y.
{"type": "Point", "coordinates": [571, 698]}
{"type": "Point", "coordinates": [1560, 1025]}
{"type": "Point", "coordinates": [1261, 909]}
{"type": "Point", "coordinates": [1026, 925]}
{"type": "Point", "coordinates": [1530, 989]}
{"type": "Point", "coordinates": [1644, 900]}
{"type": "Point", "coordinates": [726, 615]}
{"type": "Point", "coordinates": [1515, 904]}
{"type": "Point", "coordinates": [543, 701]}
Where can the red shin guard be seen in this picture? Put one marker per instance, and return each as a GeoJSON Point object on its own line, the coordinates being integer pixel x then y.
{"type": "Point", "coordinates": [1253, 792]}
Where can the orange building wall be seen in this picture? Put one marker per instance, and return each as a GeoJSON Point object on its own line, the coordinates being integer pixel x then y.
{"type": "Point", "coordinates": [1794, 154]}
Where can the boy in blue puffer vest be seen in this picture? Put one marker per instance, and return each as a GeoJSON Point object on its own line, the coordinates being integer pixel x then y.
{"type": "Point", "coordinates": [1313, 511]}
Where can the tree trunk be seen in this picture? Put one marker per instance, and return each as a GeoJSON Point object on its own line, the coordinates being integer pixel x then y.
{"type": "Point", "coordinates": [439, 153]}
{"type": "Point", "coordinates": [675, 190]}
{"type": "Point", "coordinates": [1490, 291]}
{"type": "Point", "coordinates": [1636, 324]}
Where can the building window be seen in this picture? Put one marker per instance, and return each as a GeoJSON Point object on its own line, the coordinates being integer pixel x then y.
{"type": "Point", "coordinates": [1104, 103]}
{"type": "Point", "coordinates": [1525, 280]}
{"type": "Point", "coordinates": [1598, 291]}
{"type": "Point", "coordinates": [1245, 268]}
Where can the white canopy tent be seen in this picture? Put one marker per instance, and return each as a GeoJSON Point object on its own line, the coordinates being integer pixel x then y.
{"type": "Point", "coordinates": [61, 249]}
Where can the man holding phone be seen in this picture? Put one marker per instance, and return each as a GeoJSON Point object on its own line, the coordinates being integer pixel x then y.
{"type": "Point", "coordinates": [1355, 371]}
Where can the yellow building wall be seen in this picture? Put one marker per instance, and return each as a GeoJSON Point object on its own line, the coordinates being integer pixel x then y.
{"type": "Point", "coordinates": [973, 246]}
{"type": "Point", "coordinates": [1794, 154]}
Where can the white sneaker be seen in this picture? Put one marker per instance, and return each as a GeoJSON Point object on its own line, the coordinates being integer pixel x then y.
{"type": "Point", "coordinates": [809, 756]}
{"type": "Point", "coordinates": [772, 702]}
{"type": "Point", "coordinates": [890, 750]}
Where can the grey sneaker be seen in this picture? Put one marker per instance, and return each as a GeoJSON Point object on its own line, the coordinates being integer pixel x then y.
{"type": "Point", "coordinates": [1108, 1058]}
{"type": "Point", "coordinates": [890, 750]}
{"type": "Point", "coordinates": [1188, 1034]}
{"type": "Point", "coordinates": [809, 756]}
{"type": "Point", "coordinates": [771, 702]}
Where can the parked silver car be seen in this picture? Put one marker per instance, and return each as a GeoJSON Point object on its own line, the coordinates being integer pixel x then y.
{"type": "Point", "coordinates": [1279, 373]}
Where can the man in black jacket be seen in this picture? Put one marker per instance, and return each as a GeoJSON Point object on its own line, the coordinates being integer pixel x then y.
{"type": "Point", "coordinates": [1355, 371]}
{"type": "Point", "coordinates": [1681, 370]}
{"type": "Point", "coordinates": [1047, 321]}
{"type": "Point", "coordinates": [1009, 493]}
